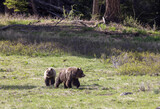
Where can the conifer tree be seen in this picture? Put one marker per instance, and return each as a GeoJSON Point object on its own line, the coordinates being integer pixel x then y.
{"type": "Point", "coordinates": [17, 5]}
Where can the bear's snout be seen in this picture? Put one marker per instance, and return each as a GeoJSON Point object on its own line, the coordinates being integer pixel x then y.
{"type": "Point", "coordinates": [49, 73]}
{"type": "Point", "coordinates": [83, 75]}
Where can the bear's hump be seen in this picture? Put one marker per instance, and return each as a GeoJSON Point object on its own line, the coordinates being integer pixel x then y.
{"type": "Point", "coordinates": [73, 69]}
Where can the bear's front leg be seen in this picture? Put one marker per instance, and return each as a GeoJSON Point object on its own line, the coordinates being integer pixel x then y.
{"type": "Point", "coordinates": [76, 82]}
{"type": "Point", "coordinates": [47, 81]}
{"type": "Point", "coordinates": [52, 81]}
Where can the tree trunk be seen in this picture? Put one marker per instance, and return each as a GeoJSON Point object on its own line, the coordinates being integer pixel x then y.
{"type": "Point", "coordinates": [95, 9]}
{"type": "Point", "coordinates": [134, 2]}
{"type": "Point", "coordinates": [34, 7]}
{"type": "Point", "coordinates": [8, 11]}
{"type": "Point", "coordinates": [158, 12]}
{"type": "Point", "coordinates": [1, 6]}
{"type": "Point", "coordinates": [112, 10]}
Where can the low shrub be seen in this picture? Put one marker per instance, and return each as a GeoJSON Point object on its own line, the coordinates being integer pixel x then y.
{"type": "Point", "coordinates": [102, 26]}
{"type": "Point", "coordinates": [130, 21]}
{"type": "Point", "coordinates": [136, 63]}
{"type": "Point", "coordinates": [18, 48]}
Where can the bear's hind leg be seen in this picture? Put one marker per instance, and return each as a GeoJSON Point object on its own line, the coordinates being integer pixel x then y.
{"type": "Point", "coordinates": [65, 86]}
{"type": "Point", "coordinates": [58, 82]}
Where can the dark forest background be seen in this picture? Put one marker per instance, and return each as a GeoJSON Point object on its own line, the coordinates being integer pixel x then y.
{"type": "Point", "coordinates": [145, 11]}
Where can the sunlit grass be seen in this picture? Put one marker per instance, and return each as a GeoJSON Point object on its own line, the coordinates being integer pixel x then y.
{"type": "Point", "coordinates": [24, 85]}
{"type": "Point", "coordinates": [4, 20]}
{"type": "Point", "coordinates": [23, 19]}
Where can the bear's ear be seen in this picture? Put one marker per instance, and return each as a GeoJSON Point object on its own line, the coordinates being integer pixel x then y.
{"type": "Point", "coordinates": [78, 68]}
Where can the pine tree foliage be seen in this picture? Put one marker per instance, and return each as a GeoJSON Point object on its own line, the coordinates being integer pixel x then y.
{"type": "Point", "coordinates": [17, 5]}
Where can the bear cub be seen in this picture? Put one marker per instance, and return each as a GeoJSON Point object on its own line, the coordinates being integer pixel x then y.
{"type": "Point", "coordinates": [49, 76]}
{"type": "Point", "coordinates": [69, 76]}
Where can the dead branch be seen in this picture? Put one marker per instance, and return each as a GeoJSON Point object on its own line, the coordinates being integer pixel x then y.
{"type": "Point", "coordinates": [93, 26]}
{"type": "Point", "coordinates": [50, 7]}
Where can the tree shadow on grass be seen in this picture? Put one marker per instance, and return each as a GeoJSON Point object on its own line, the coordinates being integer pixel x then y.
{"type": "Point", "coordinates": [19, 87]}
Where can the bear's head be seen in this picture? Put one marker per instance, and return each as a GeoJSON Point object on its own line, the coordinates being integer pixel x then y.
{"type": "Point", "coordinates": [79, 73]}
{"type": "Point", "coordinates": [50, 72]}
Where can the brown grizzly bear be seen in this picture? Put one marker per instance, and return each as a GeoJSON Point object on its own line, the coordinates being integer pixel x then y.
{"type": "Point", "coordinates": [49, 76]}
{"type": "Point", "coordinates": [69, 76]}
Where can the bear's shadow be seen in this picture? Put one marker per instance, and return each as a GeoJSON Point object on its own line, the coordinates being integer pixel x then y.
{"type": "Point", "coordinates": [19, 87]}
{"type": "Point", "coordinates": [90, 87]}
{"type": "Point", "coordinates": [85, 87]}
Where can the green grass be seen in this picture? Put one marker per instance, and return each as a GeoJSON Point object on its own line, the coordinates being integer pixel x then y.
{"type": "Point", "coordinates": [85, 29]}
{"type": "Point", "coordinates": [22, 85]}
{"type": "Point", "coordinates": [148, 39]}
{"type": "Point", "coordinates": [16, 21]}
{"type": "Point", "coordinates": [102, 26]}
{"type": "Point", "coordinates": [112, 28]}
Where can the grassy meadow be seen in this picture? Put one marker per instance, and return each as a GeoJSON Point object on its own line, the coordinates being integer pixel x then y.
{"type": "Point", "coordinates": [116, 58]}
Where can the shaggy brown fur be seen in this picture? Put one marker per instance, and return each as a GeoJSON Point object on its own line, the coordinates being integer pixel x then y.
{"type": "Point", "coordinates": [69, 76]}
{"type": "Point", "coordinates": [49, 76]}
